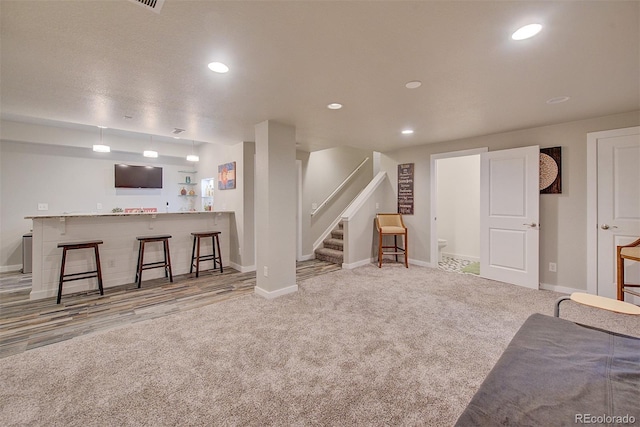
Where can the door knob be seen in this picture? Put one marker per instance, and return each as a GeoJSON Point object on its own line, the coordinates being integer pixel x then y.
{"type": "Point", "coordinates": [606, 227]}
{"type": "Point", "coordinates": [532, 225]}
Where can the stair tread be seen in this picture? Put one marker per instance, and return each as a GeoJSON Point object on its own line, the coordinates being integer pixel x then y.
{"type": "Point", "coordinates": [333, 241]}
{"type": "Point", "coordinates": [330, 252]}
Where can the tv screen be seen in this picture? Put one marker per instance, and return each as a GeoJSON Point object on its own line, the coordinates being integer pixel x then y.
{"type": "Point", "coordinates": [130, 176]}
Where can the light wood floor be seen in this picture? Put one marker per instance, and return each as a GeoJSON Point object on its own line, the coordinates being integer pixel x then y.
{"type": "Point", "coordinates": [26, 324]}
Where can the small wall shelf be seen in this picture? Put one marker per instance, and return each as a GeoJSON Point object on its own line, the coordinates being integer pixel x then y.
{"type": "Point", "coordinates": [188, 185]}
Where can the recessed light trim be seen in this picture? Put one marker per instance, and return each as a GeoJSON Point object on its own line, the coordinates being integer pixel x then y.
{"type": "Point", "coordinates": [558, 100]}
{"type": "Point", "coordinates": [150, 153]}
{"type": "Point", "coordinates": [414, 84]}
{"type": "Point", "coordinates": [334, 106]}
{"type": "Point", "coordinates": [407, 131]}
{"type": "Point", "coordinates": [100, 148]}
{"type": "Point", "coordinates": [218, 67]}
{"type": "Point", "coordinates": [526, 32]}
{"type": "Point", "coordinates": [193, 158]}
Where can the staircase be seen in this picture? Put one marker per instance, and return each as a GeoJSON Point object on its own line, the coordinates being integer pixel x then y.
{"type": "Point", "coordinates": [332, 247]}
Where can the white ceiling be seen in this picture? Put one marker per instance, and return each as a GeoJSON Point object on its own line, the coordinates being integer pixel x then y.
{"type": "Point", "coordinates": [93, 62]}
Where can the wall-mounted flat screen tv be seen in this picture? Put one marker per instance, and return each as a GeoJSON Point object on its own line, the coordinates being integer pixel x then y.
{"type": "Point", "coordinates": [131, 176]}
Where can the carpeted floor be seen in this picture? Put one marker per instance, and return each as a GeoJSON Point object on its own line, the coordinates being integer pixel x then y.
{"type": "Point", "coordinates": [368, 346]}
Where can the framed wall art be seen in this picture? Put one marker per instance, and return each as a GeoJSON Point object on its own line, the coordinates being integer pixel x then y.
{"type": "Point", "coordinates": [227, 176]}
{"type": "Point", "coordinates": [550, 170]}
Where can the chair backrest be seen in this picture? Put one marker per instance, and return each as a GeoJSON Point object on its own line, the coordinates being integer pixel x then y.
{"type": "Point", "coordinates": [389, 220]}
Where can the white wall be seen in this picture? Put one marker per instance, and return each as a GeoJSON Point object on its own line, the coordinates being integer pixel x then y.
{"type": "Point", "coordinates": [322, 172]}
{"type": "Point", "coordinates": [276, 209]}
{"type": "Point", "coordinates": [71, 179]}
{"type": "Point", "coordinates": [562, 216]}
{"type": "Point", "coordinates": [212, 155]}
{"type": "Point", "coordinates": [458, 206]}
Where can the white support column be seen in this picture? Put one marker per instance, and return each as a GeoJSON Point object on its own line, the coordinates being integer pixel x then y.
{"type": "Point", "coordinates": [275, 209]}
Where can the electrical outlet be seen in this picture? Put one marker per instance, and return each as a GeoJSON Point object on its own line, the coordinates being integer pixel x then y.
{"type": "Point", "coordinates": [266, 271]}
{"type": "Point", "coordinates": [99, 206]}
{"type": "Point", "coordinates": [314, 206]}
{"type": "Point", "coordinates": [111, 263]}
{"type": "Point", "coordinates": [43, 206]}
{"type": "Point", "coordinates": [553, 267]}
{"type": "Point", "coordinates": [377, 206]}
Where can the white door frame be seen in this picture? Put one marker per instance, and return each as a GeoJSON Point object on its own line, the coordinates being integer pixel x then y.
{"type": "Point", "coordinates": [433, 261]}
{"type": "Point", "coordinates": [592, 200]}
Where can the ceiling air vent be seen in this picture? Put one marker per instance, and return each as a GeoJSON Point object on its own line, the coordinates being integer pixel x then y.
{"type": "Point", "coordinates": [154, 5]}
{"type": "Point", "coordinates": [177, 131]}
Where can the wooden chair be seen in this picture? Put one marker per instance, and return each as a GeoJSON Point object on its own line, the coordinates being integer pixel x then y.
{"type": "Point", "coordinates": [632, 253]}
{"type": "Point", "coordinates": [391, 224]}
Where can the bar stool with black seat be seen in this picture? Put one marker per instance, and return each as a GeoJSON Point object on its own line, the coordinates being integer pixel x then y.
{"type": "Point", "coordinates": [195, 254]}
{"type": "Point", "coordinates": [166, 263]}
{"type": "Point", "coordinates": [91, 244]}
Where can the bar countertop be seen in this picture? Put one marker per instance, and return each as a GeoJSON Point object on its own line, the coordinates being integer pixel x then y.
{"type": "Point", "coordinates": [127, 214]}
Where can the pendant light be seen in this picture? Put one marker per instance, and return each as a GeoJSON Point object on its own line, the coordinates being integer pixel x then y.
{"type": "Point", "coordinates": [101, 148]}
{"type": "Point", "coordinates": [150, 153]}
{"type": "Point", "coordinates": [193, 157]}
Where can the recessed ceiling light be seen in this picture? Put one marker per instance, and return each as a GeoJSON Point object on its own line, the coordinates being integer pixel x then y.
{"type": "Point", "coordinates": [150, 153]}
{"type": "Point", "coordinates": [526, 32]}
{"type": "Point", "coordinates": [218, 67]}
{"type": "Point", "coordinates": [99, 148]}
{"type": "Point", "coordinates": [102, 127]}
{"type": "Point", "coordinates": [413, 84]}
{"type": "Point", "coordinates": [193, 158]}
{"type": "Point", "coordinates": [558, 100]}
{"type": "Point", "coordinates": [334, 106]}
{"type": "Point", "coordinates": [407, 131]}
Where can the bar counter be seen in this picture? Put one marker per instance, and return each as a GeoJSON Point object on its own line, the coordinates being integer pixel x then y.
{"type": "Point", "coordinates": [119, 252]}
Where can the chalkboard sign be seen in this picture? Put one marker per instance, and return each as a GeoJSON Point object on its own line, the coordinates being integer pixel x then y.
{"type": "Point", "coordinates": [405, 188]}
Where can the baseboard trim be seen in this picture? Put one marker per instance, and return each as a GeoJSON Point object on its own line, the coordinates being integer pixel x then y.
{"type": "Point", "coordinates": [10, 268]}
{"type": "Point", "coordinates": [357, 264]}
{"type": "Point", "coordinates": [307, 257]}
{"type": "Point", "coordinates": [420, 263]}
{"type": "Point", "coordinates": [275, 294]}
{"type": "Point", "coordinates": [241, 268]}
{"type": "Point", "coordinates": [561, 289]}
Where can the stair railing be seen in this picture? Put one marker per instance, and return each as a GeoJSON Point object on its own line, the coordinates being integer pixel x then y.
{"type": "Point", "coordinates": [337, 190]}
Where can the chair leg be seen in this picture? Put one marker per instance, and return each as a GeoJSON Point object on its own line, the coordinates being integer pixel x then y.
{"type": "Point", "coordinates": [168, 259]}
{"type": "Point", "coordinates": [64, 258]}
{"type": "Point", "coordinates": [193, 252]}
{"type": "Point", "coordinates": [140, 262]}
{"type": "Point", "coordinates": [99, 270]}
{"type": "Point", "coordinates": [219, 253]}
{"type": "Point", "coordinates": [380, 250]}
{"type": "Point", "coordinates": [198, 258]}
{"type": "Point", "coordinates": [395, 244]}
{"type": "Point", "coordinates": [620, 275]}
{"type": "Point", "coordinates": [406, 250]}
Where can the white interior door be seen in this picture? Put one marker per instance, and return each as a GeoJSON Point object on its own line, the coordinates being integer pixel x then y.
{"type": "Point", "coordinates": [618, 205]}
{"type": "Point", "coordinates": [509, 226]}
